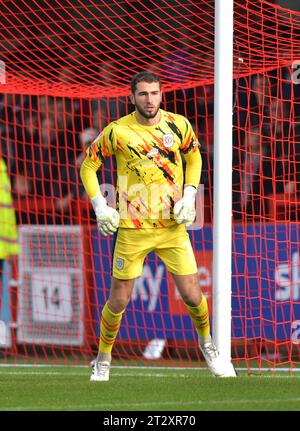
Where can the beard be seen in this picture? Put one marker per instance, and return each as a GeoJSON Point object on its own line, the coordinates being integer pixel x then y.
{"type": "Point", "coordinates": [145, 113]}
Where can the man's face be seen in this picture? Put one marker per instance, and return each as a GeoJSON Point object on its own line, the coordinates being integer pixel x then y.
{"type": "Point", "coordinates": [147, 99]}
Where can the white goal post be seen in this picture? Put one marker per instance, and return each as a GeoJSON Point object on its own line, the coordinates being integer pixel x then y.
{"type": "Point", "coordinates": [222, 222]}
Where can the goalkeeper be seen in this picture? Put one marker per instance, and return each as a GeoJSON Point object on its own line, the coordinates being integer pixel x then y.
{"type": "Point", "coordinates": [153, 209]}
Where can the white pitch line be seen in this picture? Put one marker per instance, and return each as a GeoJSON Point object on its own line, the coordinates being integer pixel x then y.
{"type": "Point", "coordinates": [57, 373]}
{"type": "Point", "coordinates": [117, 406]}
{"type": "Point", "coordinates": [128, 374]}
{"type": "Point", "coordinates": [118, 367]}
{"type": "Point", "coordinates": [137, 367]}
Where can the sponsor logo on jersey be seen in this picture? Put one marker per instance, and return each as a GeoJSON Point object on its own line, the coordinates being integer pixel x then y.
{"type": "Point", "coordinates": [152, 153]}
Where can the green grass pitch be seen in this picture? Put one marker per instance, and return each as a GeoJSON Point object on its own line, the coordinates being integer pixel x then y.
{"type": "Point", "coordinates": [137, 389]}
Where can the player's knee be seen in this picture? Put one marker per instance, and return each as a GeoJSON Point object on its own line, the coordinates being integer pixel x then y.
{"type": "Point", "coordinates": [118, 302]}
{"type": "Point", "coordinates": [119, 295]}
{"type": "Point", "coordinates": [193, 299]}
{"type": "Point", "coordinates": [188, 286]}
{"type": "Point", "coordinates": [192, 296]}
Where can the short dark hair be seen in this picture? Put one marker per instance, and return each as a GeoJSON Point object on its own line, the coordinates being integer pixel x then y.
{"type": "Point", "coordinates": [143, 77]}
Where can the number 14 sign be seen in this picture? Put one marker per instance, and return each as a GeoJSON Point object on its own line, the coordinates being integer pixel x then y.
{"type": "Point", "coordinates": [51, 296]}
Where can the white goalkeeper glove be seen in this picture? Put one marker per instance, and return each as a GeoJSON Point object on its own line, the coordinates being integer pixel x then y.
{"type": "Point", "coordinates": [107, 217]}
{"type": "Point", "coordinates": [185, 208]}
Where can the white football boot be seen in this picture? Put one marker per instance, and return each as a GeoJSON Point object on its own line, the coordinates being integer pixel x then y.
{"type": "Point", "coordinates": [100, 371]}
{"type": "Point", "coordinates": [212, 357]}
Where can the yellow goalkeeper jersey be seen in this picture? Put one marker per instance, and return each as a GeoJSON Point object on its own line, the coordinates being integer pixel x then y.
{"type": "Point", "coordinates": [149, 167]}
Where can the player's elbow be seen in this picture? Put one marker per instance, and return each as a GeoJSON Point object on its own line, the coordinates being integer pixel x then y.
{"type": "Point", "coordinates": [88, 167]}
{"type": "Point", "coordinates": [82, 170]}
{"type": "Point", "coordinates": [85, 171]}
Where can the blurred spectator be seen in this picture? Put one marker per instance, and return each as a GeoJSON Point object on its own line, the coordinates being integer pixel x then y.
{"type": "Point", "coordinates": [206, 139]}
{"type": "Point", "coordinates": [177, 66]}
{"type": "Point", "coordinates": [26, 140]}
{"type": "Point", "coordinates": [261, 90]}
{"type": "Point", "coordinates": [47, 147]}
{"type": "Point", "coordinates": [250, 187]}
{"type": "Point", "coordinates": [69, 174]}
{"type": "Point", "coordinates": [9, 247]}
{"type": "Point", "coordinates": [252, 95]}
{"type": "Point", "coordinates": [262, 167]}
{"type": "Point", "coordinates": [109, 108]}
{"type": "Point", "coordinates": [246, 181]}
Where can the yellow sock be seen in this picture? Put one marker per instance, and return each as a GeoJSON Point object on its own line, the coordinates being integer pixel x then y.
{"type": "Point", "coordinates": [109, 327]}
{"type": "Point", "coordinates": [200, 317]}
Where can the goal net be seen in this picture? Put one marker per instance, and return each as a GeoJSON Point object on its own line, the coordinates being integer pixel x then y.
{"type": "Point", "coordinates": [64, 73]}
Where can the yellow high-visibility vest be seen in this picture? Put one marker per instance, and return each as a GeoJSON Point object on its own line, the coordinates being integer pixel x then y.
{"type": "Point", "coordinates": [8, 227]}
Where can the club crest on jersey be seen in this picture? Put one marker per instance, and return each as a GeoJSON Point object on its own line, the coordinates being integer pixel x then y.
{"type": "Point", "coordinates": [168, 140]}
{"type": "Point", "coordinates": [119, 263]}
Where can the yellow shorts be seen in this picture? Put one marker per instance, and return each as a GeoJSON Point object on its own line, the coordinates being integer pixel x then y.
{"type": "Point", "coordinates": [171, 244]}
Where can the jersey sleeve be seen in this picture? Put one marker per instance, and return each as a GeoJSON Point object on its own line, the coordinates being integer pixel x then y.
{"type": "Point", "coordinates": [103, 146]}
{"type": "Point", "coordinates": [189, 139]}
{"type": "Point", "coordinates": [193, 168]}
{"type": "Point", "coordinates": [190, 148]}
